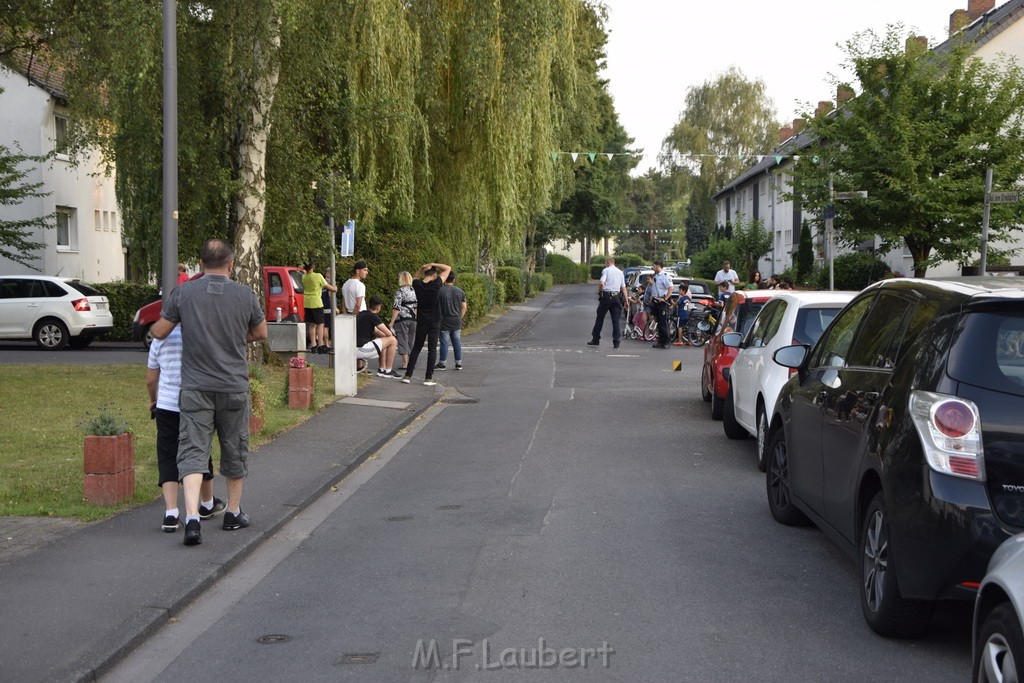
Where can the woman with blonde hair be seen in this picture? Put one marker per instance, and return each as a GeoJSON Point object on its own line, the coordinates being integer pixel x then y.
{"type": "Point", "coordinates": [403, 316]}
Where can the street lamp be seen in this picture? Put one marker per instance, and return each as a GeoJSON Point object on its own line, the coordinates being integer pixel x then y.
{"type": "Point", "coordinates": [169, 216]}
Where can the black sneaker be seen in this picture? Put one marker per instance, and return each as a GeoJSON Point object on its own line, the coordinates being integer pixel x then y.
{"type": "Point", "coordinates": [393, 374]}
{"type": "Point", "coordinates": [659, 346]}
{"type": "Point", "coordinates": [171, 524]}
{"type": "Point", "coordinates": [458, 366]}
{"type": "Point", "coordinates": [381, 373]}
{"type": "Point", "coordinates": [327, 350]}
{"type": "Point", "coordinates": [440, 366]}
{"type": "Point", "coordinates": [193, 533]}
{"type": "Point", "coordinates": [593, 342]}
{"type": "Point", "coordinates": [206, 513]}
{"type": "Point", "coordinates": [232, 522]}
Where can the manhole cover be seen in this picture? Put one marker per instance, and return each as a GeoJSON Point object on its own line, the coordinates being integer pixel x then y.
{"type": "Point", "coordinates": [448, 507]}
{"type": "Point", "coordinates": [360, 658]}
{"type": "Point", "coordinates": [273, 639]}
{"type": "Point", "coordinates": [399, 518]}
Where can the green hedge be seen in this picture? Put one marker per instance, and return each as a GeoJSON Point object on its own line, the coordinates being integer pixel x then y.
{"type": "Point", "coordinates": [540, 282]}
{"type": "Point", "coordinates": [499, 292]}
{"type": "Point", "coordinates": [514, 280]}
{"type": "Point", "coordinates": [628, 260]}
{"type": "Point", "coordinates": [706, 263]}
{"type": "Point", "coordinates": [854, 271]}
{"type": "Point", "coordinates": [125, 298]}
{"type": "Point", "coordinates": [479, 289]}
{"type": "Point", "coordinates": [582, 273]}
{"type": "Point", "coordinates": [562, 269]}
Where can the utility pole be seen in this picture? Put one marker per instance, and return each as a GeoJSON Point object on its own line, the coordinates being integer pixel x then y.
{"type": "Point", "coordinates": [830, 213]}
{"type": "Point", "coordinates": [169, 220]}
{"type": "Point", "coordinates": [983, 262]}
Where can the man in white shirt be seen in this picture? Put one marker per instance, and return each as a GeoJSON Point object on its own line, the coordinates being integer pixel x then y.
{"type": "Point", "coordinates": [611, 294]}
{"type": "Point", "coordinates": [727, 275]}
{"type": "Point", "coordinates": [353, 292]}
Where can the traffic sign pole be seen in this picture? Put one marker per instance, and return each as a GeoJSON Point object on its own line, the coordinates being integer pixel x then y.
{"type": "Point", "coordinates": [982, 262]}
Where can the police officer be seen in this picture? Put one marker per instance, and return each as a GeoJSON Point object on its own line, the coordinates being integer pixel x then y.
{"type": "Point", "coordinates": [611, 293]}
{"type": "Point", "coordinates": [661, 297]}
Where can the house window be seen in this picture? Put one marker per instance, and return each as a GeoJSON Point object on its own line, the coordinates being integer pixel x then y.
{"type": "Point", "coordinates": [96, 218]}
{"type": "Point", "coordinates": [60, 136]}
{"type": "Point", "coordinates": [762, 184]}
{"type": "Point", "coordinates": [113, 221]}
{"type": "Point", "coordinates": [67, 231]}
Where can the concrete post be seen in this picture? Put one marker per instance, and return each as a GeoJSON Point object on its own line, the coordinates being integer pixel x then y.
{"type": "Point", "coordinates": [345, 355]}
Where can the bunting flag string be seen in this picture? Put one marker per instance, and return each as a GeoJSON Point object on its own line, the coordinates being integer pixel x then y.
{"type": "Point", "coordinates": [741, 157]}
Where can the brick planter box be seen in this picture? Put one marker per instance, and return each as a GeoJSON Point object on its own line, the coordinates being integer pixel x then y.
{"type": "Point", "coordinates": [300, 388]}
{"type": "Point", "coordinates": [109, 469]}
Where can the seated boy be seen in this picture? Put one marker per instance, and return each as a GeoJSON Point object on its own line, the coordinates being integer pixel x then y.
{"type": "Point", "coordinates": [373, 338]}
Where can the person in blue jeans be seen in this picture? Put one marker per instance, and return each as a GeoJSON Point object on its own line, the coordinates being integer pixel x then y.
{"type": "Point", "coordinates": [452, 302]}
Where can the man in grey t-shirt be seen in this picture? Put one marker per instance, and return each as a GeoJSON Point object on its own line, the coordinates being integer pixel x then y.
{"type": "Point", "coordinates": [452, 302]}
{"type": "Point", "coordinates": [218, 318]}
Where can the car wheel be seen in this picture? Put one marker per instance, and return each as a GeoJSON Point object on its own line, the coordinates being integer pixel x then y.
{"type": "Point", "coordinates": [887, 612]}
{"type": "Point", "coordinates": [999, 652]}
{"type": "Point", "coordinates": [780, 492]}
{"type": "Point", "coordinates": [717, 405]}
{"type": "Point", "coordinates": [147, 336]}
{"type": "Point", "coordinates": [80, 342]}
{"type": "Point", "coordinates": [762, 439]}
{"type": "Point", "coordinates": [50, 334]}
{"type": "Point", "coordinates": [705, 392]}
{"type": "Point", "coordinates": [733, 429]}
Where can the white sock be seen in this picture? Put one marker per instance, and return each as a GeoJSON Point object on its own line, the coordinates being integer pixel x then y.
{"type": "Point", "coordinates": [208, 504]}
{"type": "Point", "coordinates": [234, 512]}
{"type": "Point", "coordinates": [173, 512]}
{"type": "Point", "coordinates": [191, 518]}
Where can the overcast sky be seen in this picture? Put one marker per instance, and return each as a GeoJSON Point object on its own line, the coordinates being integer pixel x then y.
{"type": "Point", "coordinates": [658, 49]}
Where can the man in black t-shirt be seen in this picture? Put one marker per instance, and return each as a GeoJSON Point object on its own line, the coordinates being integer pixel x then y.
{"type": "Point", "coordinates": [373, 338]}
{"type": "Point", "coordinates": [428, 282]}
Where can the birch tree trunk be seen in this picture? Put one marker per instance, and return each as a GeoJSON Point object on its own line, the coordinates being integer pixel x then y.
{"type": "Point", "coordinates": [249, 203]}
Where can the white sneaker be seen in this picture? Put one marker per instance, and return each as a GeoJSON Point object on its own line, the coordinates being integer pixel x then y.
{"type": "Point", "coordinates": [429, 382]}
{"type": "Point", "coordinates": [406, 380]}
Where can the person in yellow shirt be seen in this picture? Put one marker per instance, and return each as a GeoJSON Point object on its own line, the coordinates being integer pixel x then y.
{"type": "Point", "coordinates": [313, 285]}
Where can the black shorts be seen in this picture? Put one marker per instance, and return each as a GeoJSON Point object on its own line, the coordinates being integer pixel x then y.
{"type": "Point", "coordinates": [168, 423]}
{"type": "Point", "coordinates": [315, 315]}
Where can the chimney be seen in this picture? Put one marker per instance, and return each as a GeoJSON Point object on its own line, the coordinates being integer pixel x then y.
{"type": "Point", "coordinates": [798, 126]}
{"type": "Point", "coordinates": [824, 107]}
{"type": "Point", "coordinates": [785, 133]}
{"type": "Point", "coordinates": [844, 94]}
{"type": "Point", "coordinates": [916, 46]}
{"type": "Point", "coordinates": [976, 8]}
{"type": "Point", "coordinates": [957, 20]}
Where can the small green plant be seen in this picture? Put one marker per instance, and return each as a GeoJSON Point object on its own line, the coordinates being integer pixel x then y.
{"type": "Point", "coordinates": [106, 421]}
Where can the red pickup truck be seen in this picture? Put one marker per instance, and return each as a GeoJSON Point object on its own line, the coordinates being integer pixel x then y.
{"type": "Point", "coordinates": [282, 288]}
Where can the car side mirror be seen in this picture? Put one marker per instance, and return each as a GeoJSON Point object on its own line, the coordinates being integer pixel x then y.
{"type": "Point", "coordinates": [791, 356]}
{"type": "Point", "coordinates": [732, 339]}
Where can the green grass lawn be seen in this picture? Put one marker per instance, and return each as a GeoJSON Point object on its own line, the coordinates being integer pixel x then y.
{"type": "Point", "coordinates": [41, 410]}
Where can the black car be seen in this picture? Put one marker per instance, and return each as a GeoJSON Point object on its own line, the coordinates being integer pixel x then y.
{"type": "Point", "coordinates": [902, 437]}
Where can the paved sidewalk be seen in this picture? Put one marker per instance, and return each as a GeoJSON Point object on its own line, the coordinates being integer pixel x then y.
{"type": "Point", "coordinates": [77, 597]}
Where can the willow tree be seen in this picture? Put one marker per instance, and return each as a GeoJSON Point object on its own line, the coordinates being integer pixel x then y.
{"type": "Point", "coordinates": [728, 122]}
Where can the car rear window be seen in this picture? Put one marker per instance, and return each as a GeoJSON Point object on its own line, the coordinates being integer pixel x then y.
{"type": "Point", "coordinates": [83, 288]}
{"type": "Point", "coordinates": [746, 314]}
{"type": "Point", "coordinates": [811, 323]}
{"type": "Point", "coordinates": [989, 351]}
{"type": "Point", "coordinates": [296, 280]}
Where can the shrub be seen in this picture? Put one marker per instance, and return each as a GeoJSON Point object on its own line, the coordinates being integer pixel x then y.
{"type": "Point", "coordinates": [706, 263]}
{"type": "Point", "coordinates": [125, 298]}
{"type": "Point", "coordinates": [540, 282]}
{"type": "Point", "coordinates": [854, 271]}
{"type": "Point", "coordinates": [562, 269]}
{"type": "Point", "coordinates": [582, 274]}
{"type": "Point", "coordinates": [594, 270]}
{"type": "Point", "coordinates": [499, 293]}
{"type": "Point", "coordinates": [479, 289]}
{"type": "Point", "coordinates": [514, 280]}
{"type": "Point", "coordinates": [598, 259]}
{"type": "Point", "coordinates": [629, 260]}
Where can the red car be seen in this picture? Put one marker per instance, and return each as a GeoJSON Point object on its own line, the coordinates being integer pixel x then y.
{"type": "Point", "coordinates": [282, 288]}
{"type": "Point", "coordinates": [740, 311]}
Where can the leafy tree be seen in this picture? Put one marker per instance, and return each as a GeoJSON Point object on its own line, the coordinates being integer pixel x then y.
{"type": "Point", "coordinates": [750, 242]}
{"type": "Point", "coordinates": [15, 235]}
{"type": "Point", "coordinates": [918, 139]}
{"type": "Point", "coordinates": [727, 123]}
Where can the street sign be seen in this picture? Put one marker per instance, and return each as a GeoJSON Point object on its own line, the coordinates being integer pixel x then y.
{"type": "Point", "coordinates": [857, 194]}
{"type": "Point", "coordinates": [830, 212]}
{"type": "Point", "coordinates": [348, 239]}
{"type": "Point", "coordinates": [1003, 197]}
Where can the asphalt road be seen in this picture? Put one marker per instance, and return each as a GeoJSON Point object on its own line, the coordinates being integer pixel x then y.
{"type": "Point", "coordinates": [583, 502]}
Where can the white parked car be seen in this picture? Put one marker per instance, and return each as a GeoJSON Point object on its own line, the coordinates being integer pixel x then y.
{"type": "Point", "coordinates": [754, 379]}
{"type": "Point", "coordinates": [998, 639]}
{"type": "Point", "coordinates": [52, 311]}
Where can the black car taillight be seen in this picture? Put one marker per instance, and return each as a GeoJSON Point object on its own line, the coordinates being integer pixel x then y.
{"type": "Point", "coordinates": [950, 431]}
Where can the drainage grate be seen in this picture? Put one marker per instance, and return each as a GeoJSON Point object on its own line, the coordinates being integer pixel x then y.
{"type": "Point", "coordinates": [448, 507]}
{"type": "Point", "coordinates": [399, 518]}
{"type": "Point", "coordinates": [360, 658]}
{"type": "Point", "coordinates": [273, 639]}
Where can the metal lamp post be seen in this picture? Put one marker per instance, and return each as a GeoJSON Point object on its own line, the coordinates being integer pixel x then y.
{"type": "Point", "coordinates": [169, 222]}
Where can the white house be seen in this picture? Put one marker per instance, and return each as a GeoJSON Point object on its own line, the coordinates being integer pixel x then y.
{"type": "Point", "coordinates": [758, 192]}
{"type": "Point", "coordinates": [86, 240]}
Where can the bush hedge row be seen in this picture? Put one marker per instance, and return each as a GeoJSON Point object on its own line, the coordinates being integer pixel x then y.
{"type": "Point", "coordinates": [854, 271]}
{"type": "Point", "coordinates": [514, 280]}
{"type": "Point", "coordinates": [125, 298]}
